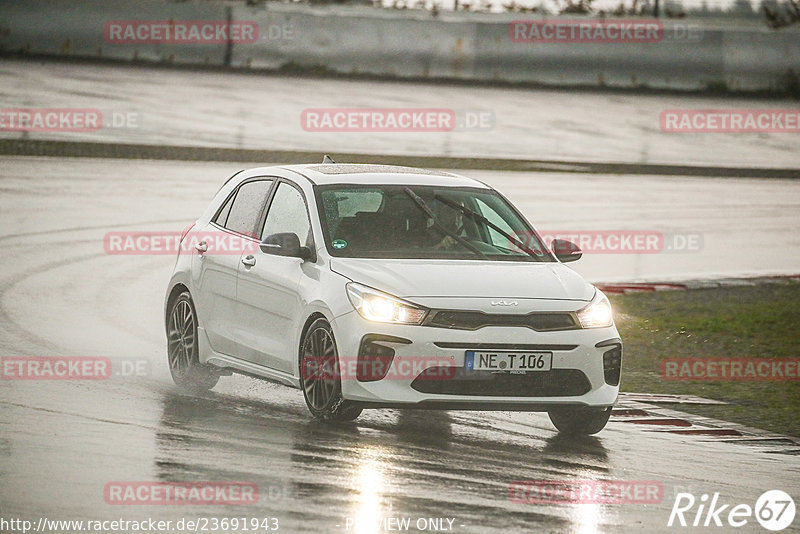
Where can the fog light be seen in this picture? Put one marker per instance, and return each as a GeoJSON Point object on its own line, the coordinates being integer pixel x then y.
{"type": "Point", "coordinates": [375, 358]}
{"type": "Point", "coordinates": [612, 365]}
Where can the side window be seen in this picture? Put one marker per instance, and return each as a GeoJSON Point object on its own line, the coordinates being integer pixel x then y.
{"type": "Point", "coordinates": [246, 207]}
{"type": "Point", "coordinates": [222, 217]}
{"type": "Point", "coordinates": [288, 213]}
{"type": "Point", "coordinates": [494, 236]}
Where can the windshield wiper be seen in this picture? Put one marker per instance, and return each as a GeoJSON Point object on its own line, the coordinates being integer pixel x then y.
{"type": "Point", "coordinates": [478, 217]}
{"type": "Point", "coordinates": [425, 208]}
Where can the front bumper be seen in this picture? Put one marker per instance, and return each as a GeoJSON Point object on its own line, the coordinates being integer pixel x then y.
{"type": "Point", "coordinates": [576, 357]}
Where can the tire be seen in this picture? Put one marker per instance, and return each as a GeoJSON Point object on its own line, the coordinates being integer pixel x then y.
{"type": "Point", "coordinates": [182, 350]}
{"type": "Point", "coordinates": [319, 375]}
{"type": "Point", "coordinates": [579, 421]}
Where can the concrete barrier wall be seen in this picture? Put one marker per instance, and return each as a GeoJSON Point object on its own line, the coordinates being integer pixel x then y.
{"type": "Point", "coordinates": [75, 29]}
{"type": "Point", "coordinates": [757, 60]}
{"type": "Point", "coordinates": [668, 64]}
{"type": "Point", "coordinates": [735, 54]}
{"type": "Point", "coordinates": [402, 47]}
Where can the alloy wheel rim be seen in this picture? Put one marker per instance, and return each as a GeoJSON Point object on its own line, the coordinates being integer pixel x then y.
{"type": "Point", "coordinates": [321, 367]}
{"type": "Point", "coordinates": [180, 338]}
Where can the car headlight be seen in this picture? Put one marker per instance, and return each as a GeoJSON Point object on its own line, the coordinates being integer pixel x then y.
{"type": "Point", "coordinates": [597, 314]}
{"type": "Point", "coordinates": [374, 305]}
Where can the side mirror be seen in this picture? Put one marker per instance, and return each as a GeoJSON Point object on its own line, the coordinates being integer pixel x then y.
{"type": "Point", "coordinates": [285, 244]}
{"type": "Point", "coordinates": [565, 250]}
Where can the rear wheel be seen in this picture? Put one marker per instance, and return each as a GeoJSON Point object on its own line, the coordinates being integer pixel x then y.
{"type": "Point", "coordinates": [320, 377]}
{"type": "Point", "coordinates": [182, 351]}
{"type": "Point", "coordinates": [579, 420]}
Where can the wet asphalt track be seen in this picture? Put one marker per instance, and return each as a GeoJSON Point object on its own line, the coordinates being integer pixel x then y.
{"type": "Point", "coordinates": [62, 442]}
{"type": "Point", "coordinates": [240, 110]}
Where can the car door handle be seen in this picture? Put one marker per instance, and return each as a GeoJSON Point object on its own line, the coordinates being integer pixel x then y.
{"type": "Point", "coordinates": [201, 247]}
{"type": "Point", "coordinates": [249, 260]}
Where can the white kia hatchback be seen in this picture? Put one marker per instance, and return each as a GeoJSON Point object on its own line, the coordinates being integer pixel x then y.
{"type": "Point", "coordinates": [370, 286]}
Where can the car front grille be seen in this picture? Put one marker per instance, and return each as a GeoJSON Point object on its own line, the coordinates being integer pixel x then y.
{"type": "Point", "coordinates": [553, 383]}
{"type": "Point", "coordinates": [473, 320]}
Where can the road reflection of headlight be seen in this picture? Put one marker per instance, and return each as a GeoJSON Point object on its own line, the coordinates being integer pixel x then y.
{"type": "Point", "coordinates": [587, 518]}
{"type": "Point", "coordinates": [370, 486]}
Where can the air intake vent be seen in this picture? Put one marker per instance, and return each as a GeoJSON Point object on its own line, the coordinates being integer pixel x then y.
{"type": "Point", "coordinates": [473, 320]}
{"type": "Point", "coordinates": [554, 383]}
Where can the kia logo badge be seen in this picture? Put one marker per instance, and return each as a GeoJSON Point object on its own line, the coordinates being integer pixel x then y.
{"type": "Point", "coordinates": [504, 303]}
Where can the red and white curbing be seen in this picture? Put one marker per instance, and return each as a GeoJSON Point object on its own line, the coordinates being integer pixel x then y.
{"type": "Point", "coordinates": [649, 287]}
{"type": "Point", "coordinates": [634, 408]}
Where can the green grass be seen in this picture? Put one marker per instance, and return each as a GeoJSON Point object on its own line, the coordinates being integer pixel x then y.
{"type": "Point", "coordinates": [737, 322]}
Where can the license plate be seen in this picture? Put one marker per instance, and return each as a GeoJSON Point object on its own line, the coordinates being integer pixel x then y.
{"type": "Point", "coordinates": [508, 361]}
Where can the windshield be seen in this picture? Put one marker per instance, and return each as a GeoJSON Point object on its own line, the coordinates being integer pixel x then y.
{"type": "Point", "coordinates": [397, 221]}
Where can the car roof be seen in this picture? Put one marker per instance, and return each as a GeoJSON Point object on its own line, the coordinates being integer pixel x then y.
{"type": "Point", "coordinates": [367, 174]}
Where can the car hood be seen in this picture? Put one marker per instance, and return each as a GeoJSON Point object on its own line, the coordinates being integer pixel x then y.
{"type": "Point", "coordinates": [467, 279]}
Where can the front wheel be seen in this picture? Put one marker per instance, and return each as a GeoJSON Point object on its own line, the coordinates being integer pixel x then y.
{"type": "Point", "coordinates": [319, 375]}
{"type": "Point", "coordinates": [182, 351]}
{"type": "Point", "coordinates": [579, 420]}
